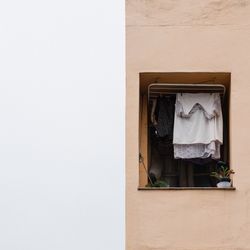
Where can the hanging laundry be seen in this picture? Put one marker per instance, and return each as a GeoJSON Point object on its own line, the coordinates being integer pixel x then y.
{"type": "Point", "coordinates": [165, 121]}
{"type": "Point", "coordinates": [162, 161]}
{"type": "Point", "coordinates": [187, 104]}
{"type": "Point", "coordinates": [199, 150]}
{"type": "Point", "coordinates": [198, 126]}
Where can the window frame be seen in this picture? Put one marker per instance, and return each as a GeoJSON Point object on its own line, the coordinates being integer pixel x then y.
{"type": "Point", "coordinates": [181, 79]}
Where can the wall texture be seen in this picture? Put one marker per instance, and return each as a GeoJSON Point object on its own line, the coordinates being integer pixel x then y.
{"type": "Point", "coordinates": [202, 36]}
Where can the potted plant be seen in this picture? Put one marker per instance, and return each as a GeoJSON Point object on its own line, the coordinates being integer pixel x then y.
{"type": "Point", "coordinates": [223, 173]}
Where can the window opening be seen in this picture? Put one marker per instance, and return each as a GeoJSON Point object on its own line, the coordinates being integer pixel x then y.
{"type": "Point", "coordinates": [190, 165]}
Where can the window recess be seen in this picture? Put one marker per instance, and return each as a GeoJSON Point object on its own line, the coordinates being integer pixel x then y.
{"type": "Point", "coordinates": [157, 155]}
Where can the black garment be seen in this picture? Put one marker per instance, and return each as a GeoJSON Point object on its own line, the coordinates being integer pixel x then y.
{"type": "Point", "coordinates": [163, 145]}
{"type": "Point", "coordinates": [163, 165]}
{"type": "Point", "coordinates": [165, 113]}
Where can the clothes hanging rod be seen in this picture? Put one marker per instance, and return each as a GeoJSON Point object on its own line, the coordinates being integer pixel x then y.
{"type": "Point", "coordinates": [174, 88]}
{"type": "Point", "coordinates": [185, 90]}
{"type": "Point", "coordinates": [188, 85]}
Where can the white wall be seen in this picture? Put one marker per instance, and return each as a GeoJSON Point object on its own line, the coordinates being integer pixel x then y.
{"type": "Point", "coordinates": [61, 125]}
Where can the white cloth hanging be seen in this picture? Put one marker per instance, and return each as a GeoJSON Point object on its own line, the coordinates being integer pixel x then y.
{"type": "Point", "coordinates": [210, 104]}
{"type": "Point", "coordinates": [191, 123]}
{"type": "Point", "coordinates": [198, 126]}
{"type": "Point", "coordinates": [199, 150]}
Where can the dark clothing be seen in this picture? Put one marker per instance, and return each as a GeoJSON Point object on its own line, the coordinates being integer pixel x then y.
{"type": "Point", "coordinates": [165, 109]}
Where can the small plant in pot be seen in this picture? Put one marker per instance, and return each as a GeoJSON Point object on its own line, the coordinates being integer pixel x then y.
{"type": "Point", "coordinates": [222, 173]}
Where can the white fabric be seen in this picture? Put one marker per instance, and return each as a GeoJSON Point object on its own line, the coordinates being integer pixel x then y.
{"type": "Point", "coordinates": [190, 151]}
{"type": "Point", "coordinates": [195, 127]}
{"type": "Point", "coordinates": [209, 102]}
{"type": "Point", "coordinates": [198, 126]}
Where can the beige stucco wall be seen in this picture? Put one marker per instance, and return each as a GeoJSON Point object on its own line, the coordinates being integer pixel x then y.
{"type": "Point", "coordinates": [189, 35]}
